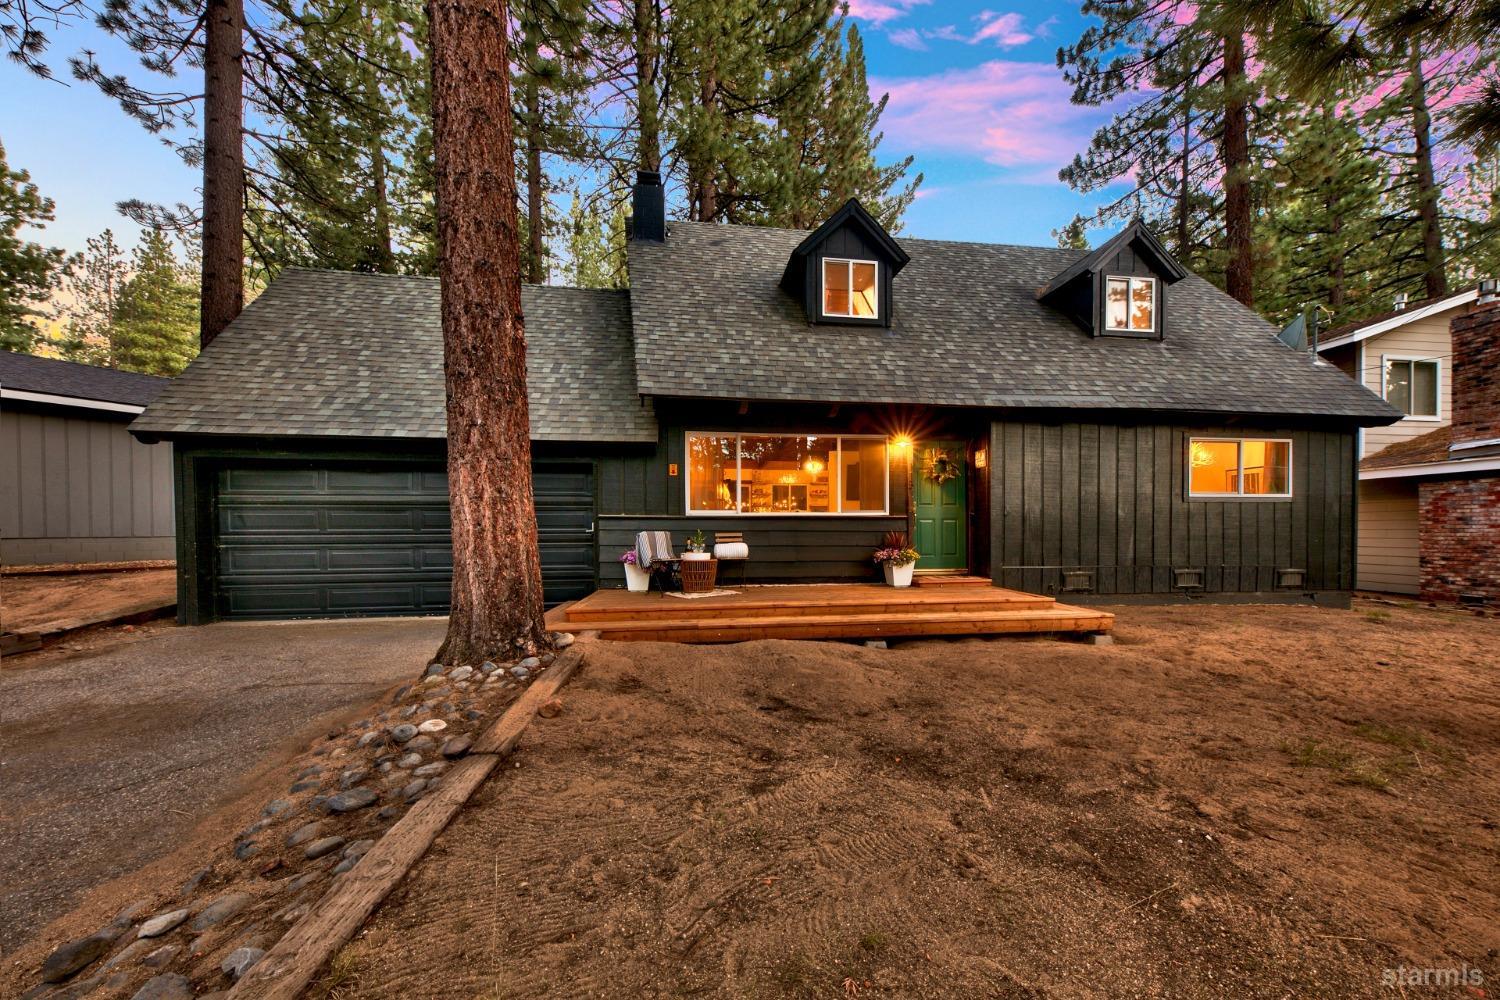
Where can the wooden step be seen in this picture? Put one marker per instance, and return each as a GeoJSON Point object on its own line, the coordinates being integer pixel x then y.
{"type": "Point", "coordinates": [1057, 618]}
{"type": "Point", "coordinates": [950, 580]}
{"type": "Point", "coordinates": [606, 606]}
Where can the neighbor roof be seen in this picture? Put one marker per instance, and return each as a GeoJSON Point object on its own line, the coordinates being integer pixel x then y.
{"type": "Point", "coordinates": [85, 383]}
{"type": "Point", "coordinates": [336, 354]}
{"type": "Point", "coordinates": [711, 320]}
{"type": "Point", "coordinates": [1351, 333]}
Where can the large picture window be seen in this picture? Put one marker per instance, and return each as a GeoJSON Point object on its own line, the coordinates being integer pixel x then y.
{"type": "Point", "coordinates": [1239, 467]}
{"type": "Point", "coordinates": [850, 289]}
{"type": "Point", "coordinates": [787, 474]}
{"type": "Point", "coordinates": [1411, 386]}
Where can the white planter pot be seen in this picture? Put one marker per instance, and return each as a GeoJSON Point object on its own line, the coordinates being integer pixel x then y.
{"type": "Point", "coordinates": [636, 579]}
{"type": "Point", "coordinates": [695, 556]}
{"type": "Point", "coordinates": [898, 576]}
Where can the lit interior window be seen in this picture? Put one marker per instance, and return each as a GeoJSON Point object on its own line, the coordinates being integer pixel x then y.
{"type": "Point", "coordinates": [786, 474]}
{"type": "Point", "coordinates": [850, 288]}
{"type": "Point", "coordinates": [1243, 467]}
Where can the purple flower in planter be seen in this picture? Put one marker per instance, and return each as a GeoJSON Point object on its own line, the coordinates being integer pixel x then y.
{"type": "Point", "coordinates": [629, 558]}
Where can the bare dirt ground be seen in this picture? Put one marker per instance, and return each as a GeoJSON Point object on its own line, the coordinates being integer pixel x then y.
{"type": "Point", "coordinates": [1233, 801]}
{"type": "Point", "coordinates": [29, 602]}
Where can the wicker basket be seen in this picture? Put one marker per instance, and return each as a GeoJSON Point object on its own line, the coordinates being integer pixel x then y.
{"type": "Point", "coordinates": [699, 575]}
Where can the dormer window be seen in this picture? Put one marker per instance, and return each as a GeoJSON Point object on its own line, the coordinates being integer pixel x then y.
{"type": "Point", "coordinates": [851, 289]}
{"type": "Point", "coordinates": [841, 273]}
{"type": "Point", "coordinates": [1130, 305]}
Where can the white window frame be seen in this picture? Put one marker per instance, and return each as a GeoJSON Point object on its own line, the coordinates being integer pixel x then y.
{"type": "Point", "coordinates": [837, 461]}
{"type": "Point", "coordinates": [1413, 360]}
{"type": "Point", "coordinates": [1130, 280]}
{"type": "Point", "coordinates": [1291, 458]}
{"type": "Point", "coordinates": [848, 263]}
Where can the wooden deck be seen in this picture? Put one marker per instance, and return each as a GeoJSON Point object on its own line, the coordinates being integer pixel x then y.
{"type": "Point", "coordinates": [824, 611]}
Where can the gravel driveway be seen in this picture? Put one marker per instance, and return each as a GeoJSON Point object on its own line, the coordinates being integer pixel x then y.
{"type": "Point", "coordinates": [108, 759]}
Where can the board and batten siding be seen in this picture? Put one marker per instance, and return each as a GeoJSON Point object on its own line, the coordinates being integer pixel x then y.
{"type": "Point", "coordinates": [77, 488]}
{"type": "Point", "coordinates": [1389, 529]}
{"type": "Point", "coordinates": [637, 492]}
{"type": "Point", "coordinates": [1112, 500]}
{"type": "Point", "coordinates": [1423, 338]}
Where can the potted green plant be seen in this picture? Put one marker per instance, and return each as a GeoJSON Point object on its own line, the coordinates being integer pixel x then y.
{"type": "Point", "coordinates": [697, 547]}
{"type": "Point", "coordinates": [897, 558]}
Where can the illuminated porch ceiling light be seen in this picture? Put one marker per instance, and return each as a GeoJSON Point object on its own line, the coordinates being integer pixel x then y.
{"type": "Point", "coordinates": [812, 466]}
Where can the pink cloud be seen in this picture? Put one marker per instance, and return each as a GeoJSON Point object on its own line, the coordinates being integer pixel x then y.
{"type": "Point", "coordinates": [878, 12]}
{"type": "Point", "coordinates": [908, 38]}
{"type": "Point", "coordinates": [1012, 114]}
{"type": "Point", "coordinates": [1004, 30]}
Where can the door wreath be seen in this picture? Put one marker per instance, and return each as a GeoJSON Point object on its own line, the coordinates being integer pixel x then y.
{"type": "Point", "coordinates": [939, 466]}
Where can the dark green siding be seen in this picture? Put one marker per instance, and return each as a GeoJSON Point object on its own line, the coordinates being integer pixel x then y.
{"type": "Point", "coordinates": [1112, 500]}
{"type": "Point", "coordinates": [637, 492]}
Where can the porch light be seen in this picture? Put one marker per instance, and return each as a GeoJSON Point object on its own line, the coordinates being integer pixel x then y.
{"type": "Point", "coordinates": [981, 458]}
{"type": "Point", "coordinates": [901, 442]}
{"type": "Point", "coordinates": [812, 466]}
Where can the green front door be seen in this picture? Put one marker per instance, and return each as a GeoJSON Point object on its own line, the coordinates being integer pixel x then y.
{"type": "Point", "coordinates": [942, 523]}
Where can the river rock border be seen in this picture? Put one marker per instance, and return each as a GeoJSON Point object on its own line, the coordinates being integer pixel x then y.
{"type": "Point", "coordinates": [248, 924]}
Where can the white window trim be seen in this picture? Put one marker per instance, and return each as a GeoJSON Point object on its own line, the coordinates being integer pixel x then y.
{"type": "Point", "coordinates": [1437, 398]}
{"type": "Point", "coordinates": [848, 263]}
{"type": "Point", "coordinates": [1291, 459]}
{"type": "Point", "coordinates": [1129, 289]}
{"type": "Point", "coordinates": [838, 460]}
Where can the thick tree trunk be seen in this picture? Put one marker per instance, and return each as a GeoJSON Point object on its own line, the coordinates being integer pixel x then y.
{"type": "Point", "coordinates": [223, 291]}
{"type": "Point", "coordinates": [648, 154]}
{"type": "Point", "coordinates": [1239, 271]}
{"type": "Point", "coordinates": [708, 191]}
{"type": "Point", "coordinates": [1185, 196]}
{"type": "Point", "coordinates": [497, 578]}
{"type": "Point", "coordinates": [536, 270]}
{"type": "Point", "coordinates": [1434, 270]}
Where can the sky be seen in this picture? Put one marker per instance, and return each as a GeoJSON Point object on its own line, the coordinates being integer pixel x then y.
{"type": "Point", "coordinates": [975, 96]}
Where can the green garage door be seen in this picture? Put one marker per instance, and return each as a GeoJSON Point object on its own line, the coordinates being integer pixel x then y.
{"type": "Point", "coordinates": [297, 541]}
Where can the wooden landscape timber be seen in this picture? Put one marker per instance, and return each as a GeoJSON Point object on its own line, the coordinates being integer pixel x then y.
{"type": "Point", "coordinates": [287, 969]}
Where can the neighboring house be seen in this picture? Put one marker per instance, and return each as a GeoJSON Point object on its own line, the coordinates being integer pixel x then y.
{"type": "Point", "coordinates": [75, 487]}
{"type": "Point", "coordinates": [1114, 427]}
{"type": "Point", "coordinates": [1406, 357]}
{"type": "Point", "coordinates": [1437, 495]}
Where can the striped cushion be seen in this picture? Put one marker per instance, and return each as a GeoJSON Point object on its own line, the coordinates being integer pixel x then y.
{"type": "Point", "coordinates": [652, 547]}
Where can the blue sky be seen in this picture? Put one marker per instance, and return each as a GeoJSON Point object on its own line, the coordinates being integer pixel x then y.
{"type": "Point", "coordinates": [975, 96]}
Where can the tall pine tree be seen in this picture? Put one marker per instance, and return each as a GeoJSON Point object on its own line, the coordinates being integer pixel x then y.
{"type": "Point", "coordinates": [27, 268]}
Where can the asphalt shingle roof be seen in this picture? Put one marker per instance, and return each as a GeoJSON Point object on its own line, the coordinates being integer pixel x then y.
{"type": "Point", "coordinates": [1422, 450]}
{"type": "Point", "coordinates": [68, 378]}
{"type": "Point", "coordinates": [334, 354]}
{"type": "Point", "coordinates": [710, 320]}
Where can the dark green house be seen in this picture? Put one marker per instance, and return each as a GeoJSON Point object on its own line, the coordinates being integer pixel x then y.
{"type": "Point", "coordinates": [1100, 424]}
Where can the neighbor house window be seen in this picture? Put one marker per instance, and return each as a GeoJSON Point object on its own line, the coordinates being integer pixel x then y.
{"type": "Point", "coordinates": [1411, 386]}
{"type": "Point", "coordinates": [1130, 304]}
{"type": "Point", "coordinates": [787, 474]}
{"type": "Point", "coordinates": [1239, 467]}
{"type": "Point", "coordinates": [849, 289]}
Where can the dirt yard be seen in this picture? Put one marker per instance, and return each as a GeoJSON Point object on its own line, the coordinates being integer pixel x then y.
{"type": "Point", "coordinates": [29, 602]}
{"type": "Point", "coordinates": [1231, 802]}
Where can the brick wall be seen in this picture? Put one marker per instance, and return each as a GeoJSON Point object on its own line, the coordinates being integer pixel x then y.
{"type": "Point", "coordinates": [1460, 538]}
{"type": "Point", "coordinates": [1476, 374]}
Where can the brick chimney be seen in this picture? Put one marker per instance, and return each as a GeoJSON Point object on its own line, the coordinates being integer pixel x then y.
{"type": "Point", "coordinates": [1476, 381]}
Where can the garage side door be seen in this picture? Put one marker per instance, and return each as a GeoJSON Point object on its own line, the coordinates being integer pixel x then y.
{"type": "Point", "coordinates": [300, 541]}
